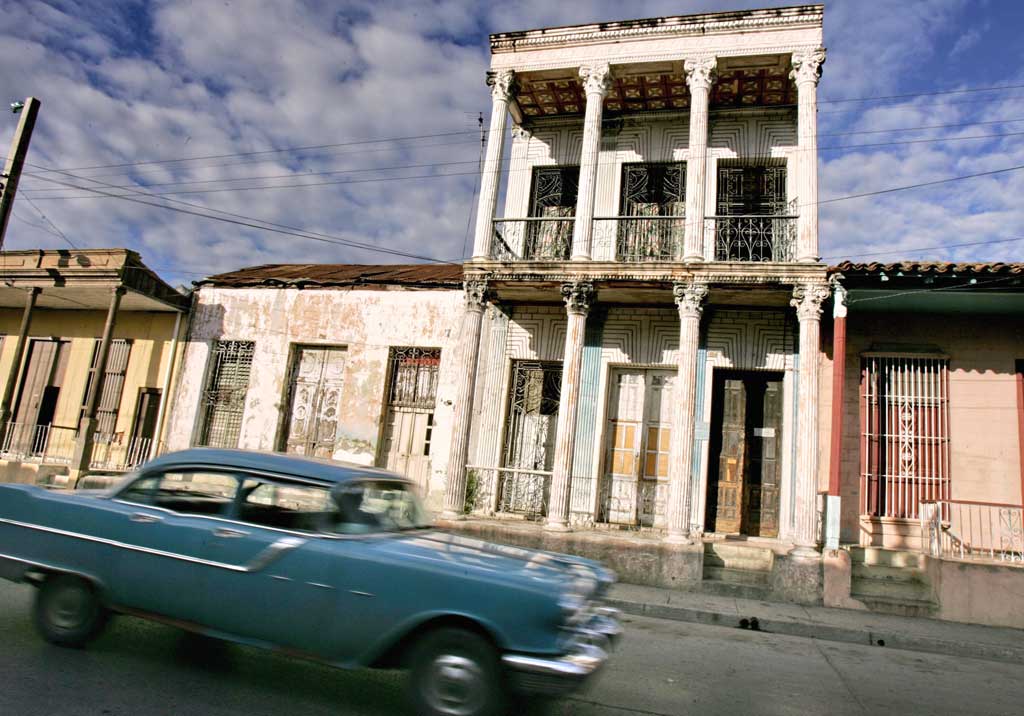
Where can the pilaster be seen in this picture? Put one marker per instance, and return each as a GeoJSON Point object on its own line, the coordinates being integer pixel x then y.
{"type": "Point", "coordinates": [475, 294]}
{"type": "Point", "coordinates": [502, 85]}
{"type": "Point", "coordinates": [689, 298]}
{"type": "Point", "coordinates": [578, 298]}
{"type": "Point", "coordinates": [806, 73]}
{"type": "Point", "coordinates": [700, 75]}
{"type": "Point", "coordinates": [596, 82]}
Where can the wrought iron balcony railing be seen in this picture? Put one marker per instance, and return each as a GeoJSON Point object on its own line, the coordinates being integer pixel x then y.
{"type": "Point", "coordinates": [49, 444]}
{"type": "Point", "coordinates": [752, 238]}
{"type": "Point", "coordinates": [532, 239]}
{"type": "Point", "coordinates": [640, 238]}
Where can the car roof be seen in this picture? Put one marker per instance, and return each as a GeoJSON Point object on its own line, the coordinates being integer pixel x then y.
{"type": "Point", "coordinates": [330, 471]}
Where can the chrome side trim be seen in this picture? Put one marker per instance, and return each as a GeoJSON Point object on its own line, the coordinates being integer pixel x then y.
{"type": "Point", "coordinates": [52, 567]}
{"type": "Point", "coordinates": [359, 594]}
{"type": "Point", "coordinates": [264, 558]}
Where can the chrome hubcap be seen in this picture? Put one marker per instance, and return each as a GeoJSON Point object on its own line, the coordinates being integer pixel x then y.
{"type": "Point", "coordinates": [456, 685]}
{"type": "Point", "coordinates": [69, 608]}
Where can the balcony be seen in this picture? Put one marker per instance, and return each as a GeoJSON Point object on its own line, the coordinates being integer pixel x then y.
{"type": "Point", "coordinates": [532, 239]}
{"type": "Point", "coordinates": [752, 237]}
{"type": "Point", "coordinates": [639, 238]}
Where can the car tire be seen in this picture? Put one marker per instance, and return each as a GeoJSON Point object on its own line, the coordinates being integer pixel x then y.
{"type": "Point", "coordinates": [68, 611]}
{"type": "Point", "coordinates": [456, 672]}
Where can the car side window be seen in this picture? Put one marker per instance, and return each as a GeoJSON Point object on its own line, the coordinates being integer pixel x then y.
{"type": "Point", "coordinates": [303, 508]}
{"type": "Point", "coordinates": [139, 492]}
{"type": "Point", "coordinates": [196, 492]}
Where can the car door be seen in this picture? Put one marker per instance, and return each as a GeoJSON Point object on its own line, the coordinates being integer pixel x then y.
{"type": "Point", "coordinates": [162, 565]}
{"type": "Point", "coordinates": [278, 583]}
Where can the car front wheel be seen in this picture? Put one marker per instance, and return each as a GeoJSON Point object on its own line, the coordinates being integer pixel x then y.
{"type": "Point", "coordinates": [68, 611]}
{"type": "Point", "coordinates": [456, 672]}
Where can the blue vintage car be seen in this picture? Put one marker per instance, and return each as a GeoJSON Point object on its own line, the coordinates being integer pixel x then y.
{"type": "Point", "coordinates": [327, 560]}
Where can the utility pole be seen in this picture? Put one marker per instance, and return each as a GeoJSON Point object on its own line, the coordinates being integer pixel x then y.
{"type": "Point", "coordinates": [16, 159]}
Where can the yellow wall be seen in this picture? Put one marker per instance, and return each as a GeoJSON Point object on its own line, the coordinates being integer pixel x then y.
{"type": "Point", "coordinates": [150, 333]}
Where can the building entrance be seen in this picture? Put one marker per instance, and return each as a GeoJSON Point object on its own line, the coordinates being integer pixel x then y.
{"type": "Point", "coordinates": [746, 434]}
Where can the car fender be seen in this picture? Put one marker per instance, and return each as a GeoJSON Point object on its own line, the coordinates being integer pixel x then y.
{"type": "Point", "coordinates": [392, 646]}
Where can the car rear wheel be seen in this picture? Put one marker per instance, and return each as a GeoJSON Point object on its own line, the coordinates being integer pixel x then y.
{"type": "Point", "coordinates": [68, 611]}
{"type": "Point", "coordinates": [456, 673]}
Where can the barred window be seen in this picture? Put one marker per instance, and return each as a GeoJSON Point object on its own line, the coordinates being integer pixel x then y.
{"type": "Point", "coordinates": [224, 397]}
{"type": "Point", "coordinates": [109, 402]}
{"type": "Point", "coordinates": [905, 435]}
{"type": "Point", "coordinates": [413, 377]}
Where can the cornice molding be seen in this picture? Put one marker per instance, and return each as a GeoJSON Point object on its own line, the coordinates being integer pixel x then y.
{"type": "Point", "coordinates": [807, 16]}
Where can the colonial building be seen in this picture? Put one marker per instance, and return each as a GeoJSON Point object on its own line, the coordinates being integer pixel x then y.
{"type": "Point", "coordinates": [62, 314]}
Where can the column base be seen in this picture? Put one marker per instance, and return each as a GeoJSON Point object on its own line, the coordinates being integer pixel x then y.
{"type": "Point", "coordinates": [809, 259]}
{"type": "Point", "coordinates": [557, 527]}
{"type": "Point", "coordinates": [678, 539]}
{"type": "Point", "coordinates": [804, 552]}
{"type": "Point", "coordinates": [580, 257]}
{"type": "Point", "coordinates": [693, 259]}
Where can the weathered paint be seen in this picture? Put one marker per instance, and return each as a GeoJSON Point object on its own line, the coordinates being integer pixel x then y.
{"type": "Point", "coordinates": [363, 322]}
{"type": "Point", "coordinates": [584, 486]}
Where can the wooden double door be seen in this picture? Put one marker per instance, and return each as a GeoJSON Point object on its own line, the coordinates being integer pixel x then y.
{"type": "Point", "coordinates": [746, 440]}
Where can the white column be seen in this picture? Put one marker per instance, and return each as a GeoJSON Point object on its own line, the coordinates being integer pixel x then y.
{"type": "Point", "coordinates": [596, 81]}
{"type": "Point", "coordinates": [689, 298]}
{"type": "Point", "coordinates": [502, 88]}
{"type": "Point", "coordinates": [469, 352]}
{"type": "Point", "coordinates": [578, 298]}
{"type": "Point", "coordinates": [806, 72]}
{"type": "Point", "coordinates": [700, 75]}
{"type": "Point", "coordinates": [807, 299]}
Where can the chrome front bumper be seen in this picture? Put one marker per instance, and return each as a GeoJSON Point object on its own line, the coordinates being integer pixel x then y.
{"type": "Point", "coordinates": [587, 653]}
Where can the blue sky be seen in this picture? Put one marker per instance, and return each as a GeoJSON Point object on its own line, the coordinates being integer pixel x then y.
{"type": "Point", "coordinates": [131, 81]}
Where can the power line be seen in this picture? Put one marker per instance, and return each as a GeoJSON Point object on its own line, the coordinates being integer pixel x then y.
{"type": "Point", "coordinates": [262, 152]}
{"type": "Point", "coordinates": [245, 221]}
{"type": "Point", "coordinates": [919, 94]}
{"type": "Point", "coordinates": [922, 184]}
{"type": "Point", "coordinates": [916, 129]}
{"type": "Point", "coordinates": [926, 248]}
{"type": "Point", "coordinates": [49, 221]}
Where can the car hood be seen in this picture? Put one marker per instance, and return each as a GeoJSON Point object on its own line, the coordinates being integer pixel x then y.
{"type": "Point", "coordinates": [461, 553]}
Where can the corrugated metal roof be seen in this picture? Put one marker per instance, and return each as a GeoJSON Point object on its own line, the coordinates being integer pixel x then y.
{"type": "Point", "coordinates": [930, 268]}
{"type": "Point", "coordinates": [325, 275]}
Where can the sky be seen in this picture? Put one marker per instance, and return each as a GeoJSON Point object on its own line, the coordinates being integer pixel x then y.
{"type": "Point", "coordinates": [133, 81]}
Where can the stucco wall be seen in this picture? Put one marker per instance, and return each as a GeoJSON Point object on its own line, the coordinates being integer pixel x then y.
{"type": "Point", "coordinates": [984, 448]}
{"type": "Point", "coordinates": [363, 322]}
{"type": "Point", "coordinates": [149, 332]}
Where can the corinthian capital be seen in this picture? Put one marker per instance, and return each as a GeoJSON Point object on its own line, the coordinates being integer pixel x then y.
{"type": "Point", "coordinates": [807, 300]}
{"type": "Point", "coordinates": [597, 79]}
{"type": "Point", "coordinates": [503, 84]}
{"type": "Point", "coordinates": [690, 298]}
{"type": "Point", "coordinates": [807, 65]}
{"type": "Point", "coordinates": [578, 297]}
{"type": "Point", "coordinates": [475, 294]}
{"type": "Point", "coordinates": [700, 72]}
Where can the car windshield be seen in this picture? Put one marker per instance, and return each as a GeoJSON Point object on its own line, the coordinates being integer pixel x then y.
{"type": "Point", "coordinates": [378, 506]}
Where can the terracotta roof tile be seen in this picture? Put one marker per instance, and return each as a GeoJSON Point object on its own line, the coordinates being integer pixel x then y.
{"type": "Point", "coordinates": [931, 268]}
{"type": "Point", "coordinates": [315, 275]}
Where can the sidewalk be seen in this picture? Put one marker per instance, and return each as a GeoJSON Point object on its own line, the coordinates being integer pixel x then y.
{"type": "Point", "coordinates": [843, 625]}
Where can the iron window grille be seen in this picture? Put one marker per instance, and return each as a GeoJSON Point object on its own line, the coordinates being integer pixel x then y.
{"type": "Point", "coordinates": [905, 433]}
{"type": "Point", "coordinates": [414, 373]}
{"type": "Point", "coordinates": [109, 403]}
{"type": "Point", "coordinates": [753, 220]}
{"type": "Point", "coordinates": [223, 402]}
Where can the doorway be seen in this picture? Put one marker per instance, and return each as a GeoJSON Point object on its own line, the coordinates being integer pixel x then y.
{"type": "Point", "coordinates": [746, 436]}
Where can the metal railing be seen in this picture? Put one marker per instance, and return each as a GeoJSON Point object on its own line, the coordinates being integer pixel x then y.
{"type": "Point", "coordinates": [38, 443]}
{"type": "Point", "coordinates": [511, 491]}
{"type": "Point", "coordinates": [640, 238]}
{"type": "Point", "coordinates": [110, 453]}
{"type": "Point", "coordinates": [973, 530]}
{"type": "Point", "coordinates": [532, 239]}
{"type": "Point", "coordinates": [752, 237]}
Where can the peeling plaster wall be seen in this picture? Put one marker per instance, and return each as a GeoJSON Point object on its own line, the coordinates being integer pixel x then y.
{"type": "Point", "coordinates": [363, 322]}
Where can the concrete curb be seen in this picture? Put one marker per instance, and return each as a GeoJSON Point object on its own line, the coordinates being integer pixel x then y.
{"type": "Point", "coordinates": [825, 632]}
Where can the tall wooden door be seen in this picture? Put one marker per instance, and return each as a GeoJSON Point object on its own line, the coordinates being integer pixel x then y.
{"type": "Point", "coordinates": [657, 436]}
{"type": "Point", "coordinates": [729, 516]}
{"type": "Point", "coordinates": [764, 432]}
{"type": "Point", "coordinates": [315, 393]}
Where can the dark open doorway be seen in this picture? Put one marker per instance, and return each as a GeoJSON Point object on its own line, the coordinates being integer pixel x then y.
{"type": "Point", "coordinates": [746, 434]}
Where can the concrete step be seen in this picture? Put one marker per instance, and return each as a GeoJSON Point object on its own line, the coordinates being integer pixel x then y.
{"type": "Point", "coordinates": [885, 557]}
{"type": "Point", "coordinates": [898, 607]}
{"type": "Point", "coordinates": [892, 574]}
{"type": "Point", "coordinates": [736, 576]}
{"type": "Point", "coordinates": [734, 590]}
{"type": "Point", "coordinates": [733, 556]}
{"type": "Point", "coordinates": [889, 589]}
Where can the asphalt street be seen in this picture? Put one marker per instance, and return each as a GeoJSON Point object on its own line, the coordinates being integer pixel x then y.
{"type": "Point", "coordinates": [139, 668]}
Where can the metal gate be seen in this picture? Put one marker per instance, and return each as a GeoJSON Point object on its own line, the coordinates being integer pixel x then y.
{"type": "Point", "coordinates": [314, 394]}
{"type": "Point", "coordinates": [530, 437]}
{"type": "Point", "coordinates": [409, 417]}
